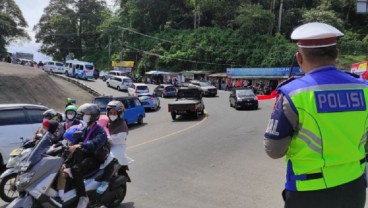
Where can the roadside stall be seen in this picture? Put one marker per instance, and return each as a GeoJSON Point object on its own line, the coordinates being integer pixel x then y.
{"type": "Point", "coordinates": [262, 80]}
{"type": "Point", "coordinates": [160, 77]}
{"type": "Point", "coordinates": [218, 80]}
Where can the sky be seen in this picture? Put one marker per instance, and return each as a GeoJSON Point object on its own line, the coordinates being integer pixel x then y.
{"type": "Point", "coordinates": [32, 11]}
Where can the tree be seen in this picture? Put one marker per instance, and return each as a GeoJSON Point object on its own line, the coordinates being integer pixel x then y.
{"type": "Point", "coordinates": [70, 26]}
{"type": "Point", "coordinates": [12, 24]}
{"type": "Point", "coordinates": [253, 19]}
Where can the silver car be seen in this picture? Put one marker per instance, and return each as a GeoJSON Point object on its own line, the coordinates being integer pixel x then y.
{"type": "Point", "coordinates": [16, 121]}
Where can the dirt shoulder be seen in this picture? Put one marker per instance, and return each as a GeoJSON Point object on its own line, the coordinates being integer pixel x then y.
{"type": "Point", "coordinates": [24, 84]}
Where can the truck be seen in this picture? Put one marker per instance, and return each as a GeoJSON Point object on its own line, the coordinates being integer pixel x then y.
{"type": "Point", "coordinates": [188, 102]}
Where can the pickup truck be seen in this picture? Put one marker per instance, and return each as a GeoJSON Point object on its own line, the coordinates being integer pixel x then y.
{"type": "Point", "coordinates": [188, 102]}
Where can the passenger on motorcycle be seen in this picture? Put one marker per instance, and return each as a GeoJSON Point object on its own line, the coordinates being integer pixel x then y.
{"type": "Point", "coordinates": [71, 117]}
{"type": "Point", "coordinates": [51, 114]}
{"type": "Point", "coordinates": [118, 131]}
{"type": "Point", "coordinates": [93, 148]}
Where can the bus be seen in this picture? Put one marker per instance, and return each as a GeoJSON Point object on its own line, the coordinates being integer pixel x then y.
{"type": "Point", "coordinates": [79, 69]}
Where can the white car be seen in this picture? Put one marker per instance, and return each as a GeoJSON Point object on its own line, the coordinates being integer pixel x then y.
{"type": "Point", "coordinates": [119, 82]}
{"type": "Point", "coordinates": [17, 120]}
{"type": "Point", "coordinates": [137, 88]}
{"type": "Point", "coordinates": [54, 67]}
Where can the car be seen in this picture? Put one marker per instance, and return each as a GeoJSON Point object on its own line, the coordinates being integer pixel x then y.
{"type": "Point", "coordinates": [54, 67]}
{"type": "Point", "coordinates": [207, 88]}
{"type": "Point", "coordinates": [149, 101]}
{"type": "Point", "coordinates": [112, 74]}
{"type": "Point", "coordinates": [243, 98]}
{"type": "Point", "coordinates": [188, 102]}
{"type": "Point", "coordinates": [137, 88]}
{"type": "Point", "coordinates": [165, 90]}
{"type": "Point", "coordinates": [134, 110]}
{"type": "Point", "coordinates": [16, 121]}
{"type": "Point", "coordinates": [119, 82]}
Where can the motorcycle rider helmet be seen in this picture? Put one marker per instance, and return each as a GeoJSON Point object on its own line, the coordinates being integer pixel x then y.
{"type": "Point", "coordinates": [71, 112]}
{"type": "Point", "coordinates": [89, 112]}
{"type": "Point", "coordinates": [51, 114]}
{"type": "Point", "coordinates": [116, 105]}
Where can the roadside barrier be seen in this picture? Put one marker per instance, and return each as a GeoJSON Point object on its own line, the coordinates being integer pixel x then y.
{"type": "Point", "coordinates": [267, 97]}
{"type": "Point", "coordinates": [78, 83]}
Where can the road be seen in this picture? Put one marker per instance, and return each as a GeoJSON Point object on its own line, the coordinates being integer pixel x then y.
{"type": "Point", "coordinates": [215, 162]}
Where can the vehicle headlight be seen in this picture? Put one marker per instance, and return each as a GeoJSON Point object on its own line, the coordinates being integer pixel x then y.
{"type": "Point", "coordinates": [23, 165]}
{"type": "Point", "coordinates": [12, 162]}
{"type": "Point", "coordinates": [24, 178]}
{"type": "Point", "coordinates": [239, 99]}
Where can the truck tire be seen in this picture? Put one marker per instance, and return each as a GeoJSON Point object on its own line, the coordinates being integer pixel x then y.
{"type": "Point", "coordinates": [173, 116]}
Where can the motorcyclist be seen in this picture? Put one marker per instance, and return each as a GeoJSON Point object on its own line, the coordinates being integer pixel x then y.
{"type": "Point", "coordinates": [70, 117]}
{"type": "Point", "coordinates": [93, 150]}
{"type": "Point", "coordinates": [118, 131]}
{"type": "Point", "coordinates": [50, 115]}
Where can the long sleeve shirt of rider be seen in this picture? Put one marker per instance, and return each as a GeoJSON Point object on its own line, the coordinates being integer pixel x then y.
{"type": "Point", "coordinates": [281, 126]}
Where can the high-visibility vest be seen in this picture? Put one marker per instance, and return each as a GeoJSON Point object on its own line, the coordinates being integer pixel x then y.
{"type": "Point", "coordinates": [328, 148]}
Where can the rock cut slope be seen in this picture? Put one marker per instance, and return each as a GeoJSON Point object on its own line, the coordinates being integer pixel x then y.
{"type": "Point", "coordinates": [24, 84]}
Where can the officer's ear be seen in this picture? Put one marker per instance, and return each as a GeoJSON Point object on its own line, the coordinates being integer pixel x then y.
{"type": "Point", "coordinates": [299, 58]}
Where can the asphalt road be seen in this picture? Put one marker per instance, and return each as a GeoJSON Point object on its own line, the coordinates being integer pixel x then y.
{"type": "Point", "coordinates": [217, 161]}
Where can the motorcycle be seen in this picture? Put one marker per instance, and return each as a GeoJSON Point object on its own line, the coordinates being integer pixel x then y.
{"type": "Point", "coordinates": [38, 173]}
{"type": "Point", "coordinates": [8, 189]}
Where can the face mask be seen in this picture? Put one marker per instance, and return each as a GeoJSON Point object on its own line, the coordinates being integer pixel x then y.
{"type": "Point", "coordinates": [86, 118]}
{"type": "Point", "coordinates": [69, 116]}
{"type": "Point", "coordinates": [113, 118]}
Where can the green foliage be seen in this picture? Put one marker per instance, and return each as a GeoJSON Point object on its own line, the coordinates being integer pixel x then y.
{"type": "Point", "coordinates": [325, 16]}
{"type": "Point", "coordinates": [253, 19]}
{"type": "Point", "coordinates": [12, 24]}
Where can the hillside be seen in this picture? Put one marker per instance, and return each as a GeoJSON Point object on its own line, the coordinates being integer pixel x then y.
{"type": "Point", "coordinates": [22, 84]}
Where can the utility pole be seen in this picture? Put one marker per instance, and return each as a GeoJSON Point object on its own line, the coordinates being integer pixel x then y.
{"type": "Point", "coordinates": [280, 16]}
{"type": "Point", "coordinates": [109, 60]}
{"type": "Point", "coordinates": [197, 14]}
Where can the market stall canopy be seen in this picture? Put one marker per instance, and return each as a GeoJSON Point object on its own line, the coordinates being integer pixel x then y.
{"type": "Point", "coordinates": [267, 73]}
{"type": "Point", "coordinates": [222, 75]}
{"type": "Point", "coordinates": [158, 73]}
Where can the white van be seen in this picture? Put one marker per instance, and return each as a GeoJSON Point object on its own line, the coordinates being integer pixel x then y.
{"type": "Point", "coordinates": [119, 82]}
{"type": "Point", "coordinates": [54, 67]}
{"type": "Point", "coordinates": [79, 69]}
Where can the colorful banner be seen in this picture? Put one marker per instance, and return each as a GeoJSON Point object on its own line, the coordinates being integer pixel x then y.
{"type": "Point", "coordinates": [360, 69]}
{"type": "Point", "coordinates": [123, 63]}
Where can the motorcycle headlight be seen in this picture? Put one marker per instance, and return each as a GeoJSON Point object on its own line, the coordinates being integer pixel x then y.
{"type": "Point", "coordinates": [23, 165]}
{"type": "Point", "coordinates": [12, 162]}
{"type": "Point", "coordinates": [24, 178]}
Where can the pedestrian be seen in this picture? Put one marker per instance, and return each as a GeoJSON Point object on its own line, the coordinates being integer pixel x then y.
{"type": "Point", "coordinates": [319, 123]}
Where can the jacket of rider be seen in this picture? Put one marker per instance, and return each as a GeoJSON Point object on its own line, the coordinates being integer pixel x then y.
{"type": "Point", "coordinates": [96, 140]}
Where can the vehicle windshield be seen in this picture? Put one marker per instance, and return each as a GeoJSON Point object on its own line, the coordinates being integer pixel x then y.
{"type": "Point", "coordinates": [40, 149]}
{"type": "Point", "coordinates": [59, 64]}
{"type": "Point", "coordinates": [205, 84]}
{"type": "Point", "coordinates": [144, 97]}
{"type": "Point", "coordinates": [89, 67]}
{"type": "Point", "coordinates": [188, 94]}
{"type": "Point", "coordinates": [141, 87]}
{"type": "Point", "coordinates": [169, 89]}
{"type": "Point", "coordinates": [102, 102]}
{"type": "Point", "coordinates": [243, 93]}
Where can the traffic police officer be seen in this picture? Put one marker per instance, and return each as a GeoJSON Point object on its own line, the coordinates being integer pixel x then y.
{"type": "Point", "coordinates": [320, 123]}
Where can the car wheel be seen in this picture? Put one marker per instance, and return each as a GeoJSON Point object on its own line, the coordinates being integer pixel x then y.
{"type": "Point", "coordinates": [231, 105]}
{"type": "Point", "coordinates": [140, 120]}
{"type": "Point", "coordinates": [66, 73]}
{"type": "Point", "coordinates": [236, 106]}
{"type": "Point", "coordinates": [173, 116]}
{"type": "Point", "coordinates": [256, 107]}
{"type": "Point", "coordinates": [108, 84]}
{"type": "Point", "coordinates": [118, 88]}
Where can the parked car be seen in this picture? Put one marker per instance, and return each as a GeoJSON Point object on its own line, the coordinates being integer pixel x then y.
{"type": "Point", "coordinates": [149, 101]}
{"type": "Point", "coordinates": [16, 121]}
{"type": "Point", "coordinates": [134, 110]}
{"type": "Point", "coordinates": [165, 90]}
{"type": "Point", "coordinates": [207, 88]}
{"type": "Point", "coordinates": [243, 98]}
{"type": "Point", "coordinates": [54, 67]}
{"type": "Point", "coordinates": [119, 82]}
{"type": "Point", "coordinates": [137, 88]}
{"type": "Point", "coordinates": [188, 102]}
{"type": "Point", "coordinates": [112, 74]}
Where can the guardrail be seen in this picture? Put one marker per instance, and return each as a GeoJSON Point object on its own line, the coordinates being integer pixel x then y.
{"type": "Point", "coordinates": [79, 84]}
